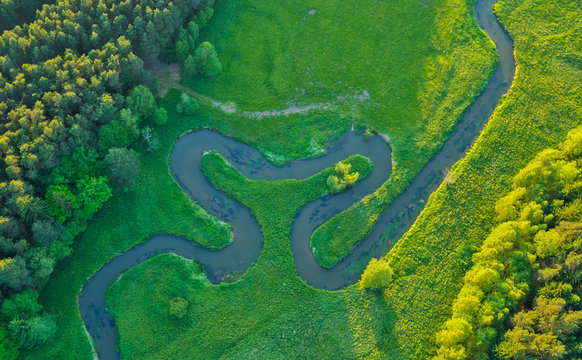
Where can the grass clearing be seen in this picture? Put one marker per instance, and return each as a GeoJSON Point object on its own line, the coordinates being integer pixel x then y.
{"type": "Point", "coordinates": [399, 68]}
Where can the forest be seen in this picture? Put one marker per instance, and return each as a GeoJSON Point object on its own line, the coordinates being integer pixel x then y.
{"type": "Point", "coordinates": [74, 97]}
{"type": "Point", "coordinates": [484, 262]}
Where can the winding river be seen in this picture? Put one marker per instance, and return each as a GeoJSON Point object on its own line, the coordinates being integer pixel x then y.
{"type": "Point", "coordinates": [247, 244]}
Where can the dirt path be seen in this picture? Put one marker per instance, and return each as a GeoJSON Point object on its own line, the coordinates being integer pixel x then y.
{"type": "Point", "coordinates": [169, 78]}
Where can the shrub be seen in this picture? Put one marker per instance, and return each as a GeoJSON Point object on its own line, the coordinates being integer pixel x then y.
{"type": "Point", "coordinates": [178, 307]}
{"type": "Point", "coordinates": [377, 275]}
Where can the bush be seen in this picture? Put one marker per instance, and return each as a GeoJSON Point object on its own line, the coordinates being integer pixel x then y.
{"type": "Point", "coordinates": [178, 307]}
{"type": "Point", "coordinates": [377, 275]}
{"type": "Point", "coordinates": [187, 105]}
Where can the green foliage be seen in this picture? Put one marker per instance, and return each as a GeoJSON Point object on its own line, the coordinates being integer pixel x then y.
{"type": "Point", "coordinates": [160, 116]}
{"type": "Point", "coordinates": [141, 103]}
{"type": "Point", "coordinates": [15, 12]}
{"type": "Point", "coordinates": [155, 204]}
{"type": "Point", "coordinates": [32, 332]}
{"type": "Point", "coordinates": [178, 307]}
{"type": "Point", "coordinates": [71, 83]}
{"type": "Point", "coordinates": [541, 332]}
{"type": "Point", "coordinates": [206, 60]}
{"type": "Point", "coordinates": [21, 305]}
{"type": "Point", "coordinates": [502, 275]}
{"type": "Point", "coordinates": [61, 201]}
{"type": "Point", "coordinates": [123, 165]}
{"type": "Point", "coordinates": [213, 67]}
{"type": "Point", "coordinates": [342, 177]}
{"type": "Point", "coordinates": [153, 284]}
{"type": "Point", "coordinates": [120, 132]}
{"type": "Point", "coordinates": [251, 316]}
{"type": "Point", "coordinates": [378, 275]}
{"type": "Point", "coordinates": [187, 105]}
{"type": "Point", "coordinates": [8, 349]}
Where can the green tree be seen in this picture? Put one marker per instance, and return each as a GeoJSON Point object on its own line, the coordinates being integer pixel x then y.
{"type": "Point", "coordinates": [123, 165]}
{"type": "Point", "coordinates": [32, 332]}
{"type": "Point", "coordinates": [21, 305]}
{"type": "Point", "coordinates": [187, 105]}
{"type": "Point", "coordinates": [141, 102]}
{"type": "Point", "coordinates": [540, 333]}
{"type": "Point", "coordinates": [46, 231]}
{"type": "Point", "coordinates": [190, 67]}
{"type": "Point", "coordinates": [8, 349]}
{"type": "Point", "coordinates": [61, 202]}
{"type": "Point", "coordinates": [378, 275]}
{"type": "Point", "coordinates": [160, 116]}
{"type": "Point", "coordinates": [14, 273]}
{"type": "Point", "coordinates": [213, 66]}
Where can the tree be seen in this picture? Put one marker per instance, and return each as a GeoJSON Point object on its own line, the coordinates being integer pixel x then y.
{"type": "Point", "coordinates": [141, 102]}
{"type": "Point", "coordinates": [8, 349]}
{"type": "Point", "coordinates": [213, 66]}
{"type": "Point", "coordinates": [21, 305]}
{"type": "Point", "coordinates": [46, 231]}
{"type": "Point", "coordinates": [92, 193]}
{"type": "Point", "coordinates": [32, 332]}
{"type": "Point", "coordinates": [187, 105]}
{"type": "Point", "coordinates": [342, 177]}
{"type": "Point", "coordinates": [206, 60]}
{"type": "Point", "coordinates": [190, 67]}
{"type": "Point", "coordinates": [378, 274]}
{"type": "Point", "coordinates": [178, 307]}
{"type": "Point", "coordinates": [160, 116]}
{"type": "Point", "coordinates": [14, 273]}
{"type": "Point", "coordinates": [123, 165]}
{"type": "Point", "coordinates": [61, 202]}
{"type": "Point", "coordinates": [540, 333]}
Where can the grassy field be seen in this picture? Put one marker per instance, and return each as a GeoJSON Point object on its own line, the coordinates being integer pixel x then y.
{"type": "Point", "coordinates": [223, 317]}
{"type": "Point", "coordinates": [399, 68]}
{"type": "Point", "coordinates": [271, 312]}
{"type": "Point", "coordinates": [542, 106]}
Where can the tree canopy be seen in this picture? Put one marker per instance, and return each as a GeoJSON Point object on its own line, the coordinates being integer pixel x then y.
{"type": "Point", "coordinates": [74, 97]}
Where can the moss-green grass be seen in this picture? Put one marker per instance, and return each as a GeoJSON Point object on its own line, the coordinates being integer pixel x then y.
{"type": "Point", "coordinates": [421, 65]}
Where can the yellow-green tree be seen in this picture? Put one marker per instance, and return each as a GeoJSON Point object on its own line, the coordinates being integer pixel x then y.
{"type": "Point", "coordinates": [377, 275]}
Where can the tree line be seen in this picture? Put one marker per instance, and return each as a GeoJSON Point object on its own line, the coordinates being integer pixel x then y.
{"type": "Point", "coordinates": [74, 97]}
{"type": "Point", "coordinates": [521, 298]}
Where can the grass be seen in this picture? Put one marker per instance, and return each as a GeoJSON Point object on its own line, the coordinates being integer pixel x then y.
{"type": "Point", "coordinates": [420, 65]}
{"type": "Point", "coordinates": [270, 312]}
{"type": "Point", "coordinates": [543, 104]}
{"type": "Point", "coordinates": [222, 317]}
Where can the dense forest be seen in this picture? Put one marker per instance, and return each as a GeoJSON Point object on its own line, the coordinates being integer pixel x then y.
{"type": "Point", "coordinates": [74, 97]}
{"type": "Point", "coordinates": [521, 298]}
{"type": "Point", "coordinates": [15, 12]}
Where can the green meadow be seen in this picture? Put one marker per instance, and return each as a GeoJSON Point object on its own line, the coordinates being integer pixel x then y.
{"type": "Point", "coordinates": [421, 67]}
